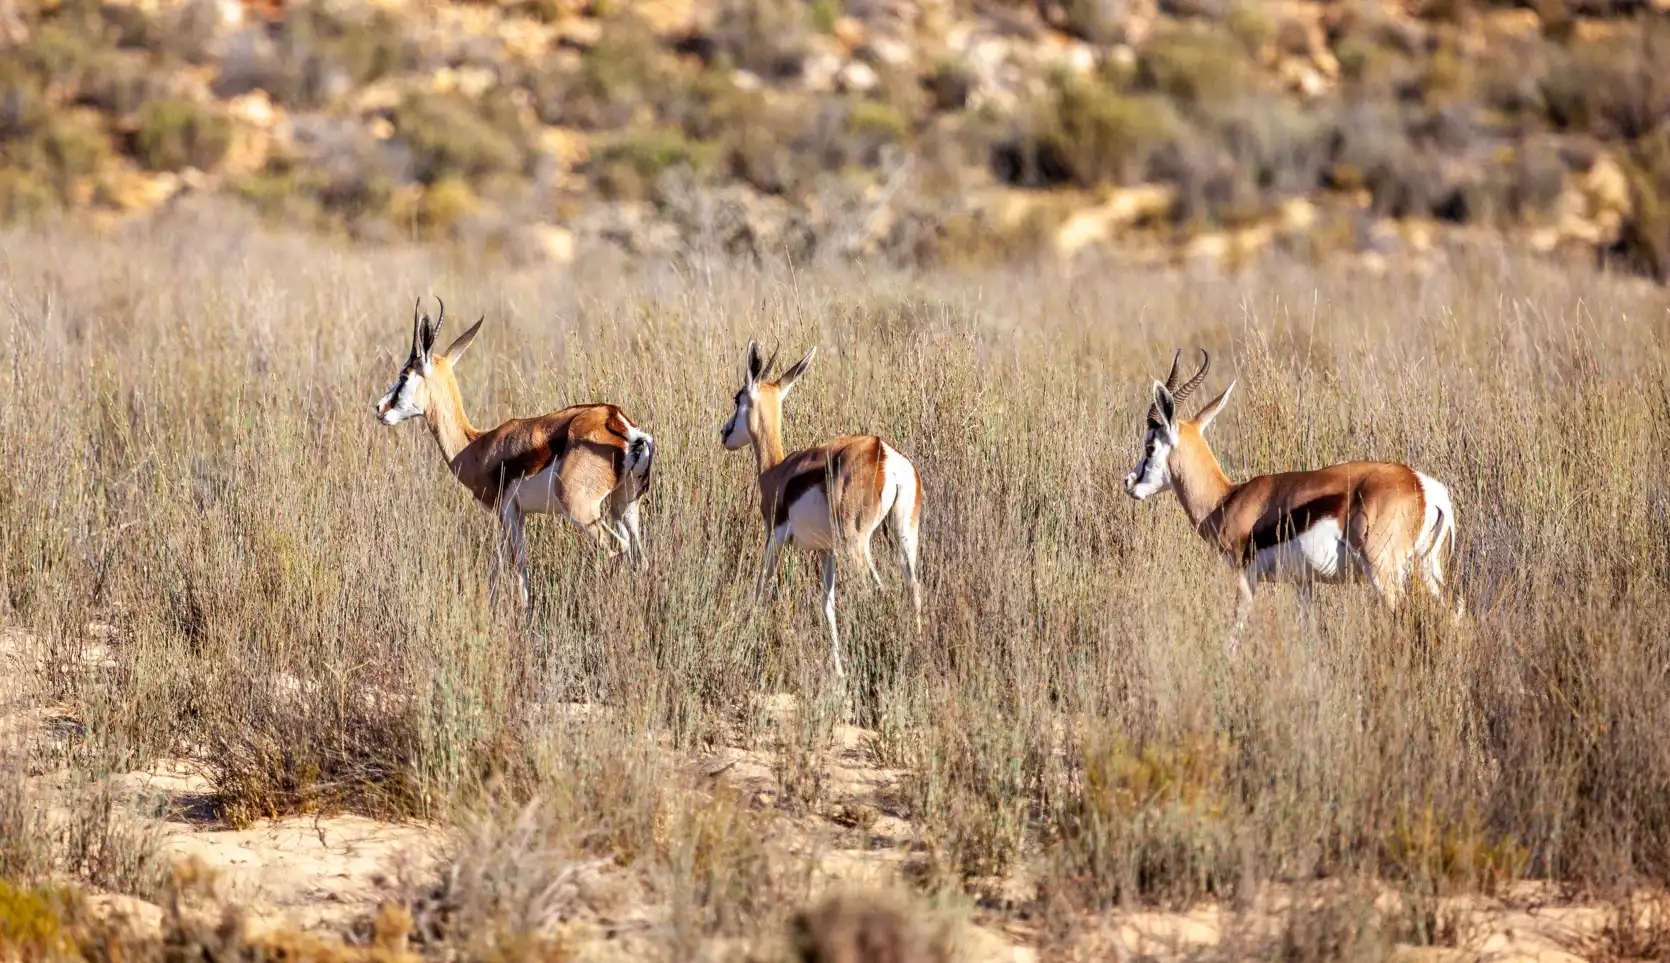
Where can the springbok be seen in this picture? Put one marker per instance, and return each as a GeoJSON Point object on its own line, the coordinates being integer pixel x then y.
{"type": "Point", "coordinates": [1343, 523]}
{"type": "Point", "coordinates": [828, 499]}
{"type": "Point", "coordinates": [588, 462]}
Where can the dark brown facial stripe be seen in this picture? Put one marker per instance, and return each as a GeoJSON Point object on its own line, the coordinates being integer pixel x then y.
{"type": "Point", "coordinates": [1279, 528]}
{"type": "Point", "coordinates": [794, 488]}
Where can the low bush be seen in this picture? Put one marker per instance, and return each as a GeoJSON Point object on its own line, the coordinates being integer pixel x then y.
{"type": "Point", "coordinates": [1087, 133]}
{"type": "Point", "coordinates": [174, 133]}
{"type": "Point", "coordinates": [449, 135]}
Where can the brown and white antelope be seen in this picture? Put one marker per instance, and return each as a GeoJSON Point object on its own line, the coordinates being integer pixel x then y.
{"type": "Point", "coordinates": [1347, 522]}
{"type": "Point", "coordinates": [588, 462]}
{"type": "Point", "coordinates": [828, 499]}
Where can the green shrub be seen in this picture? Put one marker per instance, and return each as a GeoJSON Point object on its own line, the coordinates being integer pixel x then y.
{"type": "Point", "coordinates": [626, 167]}
{"type": "Point", "coordinates": [1252, 25]}
{"type": "Point", "coordinates": [1093, 135]}
{"type": "Point", "coordinates": [1616, 87]}
{"type": "Point", "coordinates": [449, 135]}
{"type": "Point", "coordinates": [23, 194]}
{"type": "Point", "coordinates": [767, 37]}
{"type": "Point", "coordinates": [317, 55]}
{"type": "Point", "coordinates": [61, 150]}
{"type": "Point", "coordinates": [119, 83]}
{"type": "Point", "coordinates": [176, 133]}
{"type": "Point", "coordinates": [1644, 242]}
{"type": "Point", "coordinates": [1195, 68]}
{"type": "Point", "coordinates": [1095, 21]}
{"type": "Point", "coordinates": [625, 72]}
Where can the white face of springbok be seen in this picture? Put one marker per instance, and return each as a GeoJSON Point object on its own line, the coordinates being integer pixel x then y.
{"type": "Point", "coordinates": [410, 394]}
{"type": "Point", "coordinates": [1165, 435]}
{"type": "Point", "coordinates": [1152, 474]}
{"type": "Point", "coordinates": [759, 403]}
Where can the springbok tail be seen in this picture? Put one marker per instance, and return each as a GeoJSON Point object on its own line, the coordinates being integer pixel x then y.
{"type": "Point", "coordinates": [640, 453]}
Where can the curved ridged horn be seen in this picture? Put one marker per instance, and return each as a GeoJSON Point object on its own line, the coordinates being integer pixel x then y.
{"type": "Point", "coordinates": [1171, 384]}
{"type": "Point", "coordinates": [439, 319]}
{"type": "Point", "coordinates": [417, 325]}
{"type": "Point", "coordinates": [1193, 383]}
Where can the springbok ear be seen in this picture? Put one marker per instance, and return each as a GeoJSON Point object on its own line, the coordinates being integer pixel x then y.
{"type": "Point", "coordinates": [756, 364]}
{"type": "Point", "coordinates": [1213, 407]}
{"type": "Point", "coordinates": [462, 343]}
{"type": "Point", "coordinates": [1165, 406]}
{"type": "Point", "coordinates": [792, 375]}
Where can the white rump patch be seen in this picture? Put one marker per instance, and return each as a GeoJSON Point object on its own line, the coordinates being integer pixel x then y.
{"type": "Point", "coordinates": [1440, 515]}
{"type": "Point", "coordinates": [640, 450]}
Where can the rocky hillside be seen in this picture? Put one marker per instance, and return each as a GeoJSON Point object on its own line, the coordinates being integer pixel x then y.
{"type": "Point", "coordinates": [917, 130]}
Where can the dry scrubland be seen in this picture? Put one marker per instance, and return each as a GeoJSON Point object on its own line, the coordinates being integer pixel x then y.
{"type": "Point", "coordinates": [297, 597]}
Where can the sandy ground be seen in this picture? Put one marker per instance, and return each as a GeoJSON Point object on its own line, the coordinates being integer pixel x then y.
{"type": "Point", "coordinates": [327, 873]}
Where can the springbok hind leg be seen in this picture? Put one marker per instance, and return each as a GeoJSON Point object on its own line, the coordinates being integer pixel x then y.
{"type": "Point", "coordinates": [829, 611]}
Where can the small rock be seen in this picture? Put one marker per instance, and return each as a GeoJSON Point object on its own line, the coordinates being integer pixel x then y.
{"type": "Point", "coordinates": [474, 81]}
{"type": "Point", "coordinates": [555, 242]}
{"type": "Point", "coordinates": [890, 51]}
{"type": "Point", "coordinates": [567, 146]}
{"type": "Point", "coordinates": [858, 77]}
{"type": "Point", "coordinates": [254, 108]}
{"type": "Point", "coordinates": [851, 33]}
{"type": "Point", "coordinates": [583, 33]}
{"type": "Point", "coordinates": [820, 70]}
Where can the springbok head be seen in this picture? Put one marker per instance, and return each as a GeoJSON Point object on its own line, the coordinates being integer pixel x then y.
{"type": "Point", "coordinates": [759, 402]}
{"type": "Point", "coordinates": [1165, 438]}
{"type": "Point", "coordinates": [410, 394]}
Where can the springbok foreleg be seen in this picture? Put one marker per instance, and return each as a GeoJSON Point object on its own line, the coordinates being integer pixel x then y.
{"type": "Point", "coordinates": [1244, 584]}
{"type": "Point", "coordinates": [768, 562]}
{"type": "Point", "coordinates": [510, 517]}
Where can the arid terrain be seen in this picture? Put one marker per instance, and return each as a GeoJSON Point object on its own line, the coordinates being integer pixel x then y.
{"type": "Point", "coordinates": [259, 699]}
{"type": "Point", "coordinates": [919, 132]}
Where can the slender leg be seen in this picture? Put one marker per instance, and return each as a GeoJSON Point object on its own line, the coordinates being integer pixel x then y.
{"type": "Point", "coordinates": [511, 516]}
{"type": "Point", "coordinates": [870, 562]}
{"type": "Point", "coordinates": [1243, 605]}
{"type": "Point", "coordinates": [829, 611]}
{"type": "Point", "coordinates": [634, 536]}
{"type": "Point", "coordinates": [907, 566]}
{"type": "Point", "coordinates": [768, 563]}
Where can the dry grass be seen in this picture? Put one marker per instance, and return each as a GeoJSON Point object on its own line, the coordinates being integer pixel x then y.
{"type": "Point", "coordinates": [301, 595]}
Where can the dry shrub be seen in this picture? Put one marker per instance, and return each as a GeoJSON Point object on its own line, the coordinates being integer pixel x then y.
{"type": "Point", "coordinates": [319, 52]}
{"type": "Point", "coordinates": [872, 927]}
{"type": "Point", "coordinates": [1149, 824]}
{"type": "Point", "coordinates": [1613, 87]}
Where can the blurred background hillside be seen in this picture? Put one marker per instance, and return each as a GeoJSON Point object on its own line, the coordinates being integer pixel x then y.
{"type": "Point", "coordinates": [911, 130]}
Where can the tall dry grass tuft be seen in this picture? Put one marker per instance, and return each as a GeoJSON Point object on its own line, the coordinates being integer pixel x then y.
{"type": "Point", "coordinates": [303, 596]}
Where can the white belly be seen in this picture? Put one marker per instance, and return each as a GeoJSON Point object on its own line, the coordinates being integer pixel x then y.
{"type": "Point", "coordinates": [537, 494]}
{"type": "Point", "coordinates": [808, 522]}
{"type": "Point", "coordinates": [1320, 553]}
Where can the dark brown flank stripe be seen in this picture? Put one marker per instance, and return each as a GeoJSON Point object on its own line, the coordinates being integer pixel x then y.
{"type": "Point", "coordinates": [1275, 529]}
